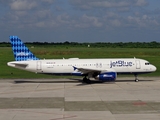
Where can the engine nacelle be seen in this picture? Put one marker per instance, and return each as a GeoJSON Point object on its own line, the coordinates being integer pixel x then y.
{"type": "Point", "coordinates": [107, 76]}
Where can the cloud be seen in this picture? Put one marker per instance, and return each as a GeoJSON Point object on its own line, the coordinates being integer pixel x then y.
{"type": "Point", "coordinates": [91, 4]}
{"type": "Point", "coordinates": [91, 20]}
{"type": "Point", "coordinates": [109, 4]}
{"type": "Point", "coordinates": [23, 5]}
{"type": "Point", "coordinates": [143, 22]}
{"type": "Point", "coordinates": [116, 23]}
{"type": "Point", "coordinates": [76, 15]}
{"type": "Point", "coordinates": [141, 3]}
{"type": "Point", "coordinates": [47, 1]}
{"type": "Point", "coordinates": [101, 13]}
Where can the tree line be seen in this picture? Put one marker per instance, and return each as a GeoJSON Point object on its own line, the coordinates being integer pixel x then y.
{"type": "Point", "coordinates": [152, 44]}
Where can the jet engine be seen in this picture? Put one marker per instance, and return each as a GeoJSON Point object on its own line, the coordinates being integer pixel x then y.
{"type": "Point", "coordinates": [107, 76]}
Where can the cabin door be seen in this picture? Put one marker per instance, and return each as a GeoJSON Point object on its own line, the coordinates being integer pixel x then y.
{"type": "Point", "coordinates": [39, 66]}
{"type": "Point", "coordinates": [138, 65]}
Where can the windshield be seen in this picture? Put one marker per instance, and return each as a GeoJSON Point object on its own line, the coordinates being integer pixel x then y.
{"type": "Point", "coordinates": [147, 63]}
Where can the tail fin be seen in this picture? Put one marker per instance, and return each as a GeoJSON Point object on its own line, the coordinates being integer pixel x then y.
{"type": "Point", "coordinates": [20, 51]}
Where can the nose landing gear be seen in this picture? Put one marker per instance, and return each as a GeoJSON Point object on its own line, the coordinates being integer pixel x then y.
{"type": "Point", "coordinates": [136, 78]}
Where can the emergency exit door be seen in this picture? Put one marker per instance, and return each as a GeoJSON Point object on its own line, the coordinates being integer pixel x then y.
{"type": "Point", "coordinates": [39, 66]}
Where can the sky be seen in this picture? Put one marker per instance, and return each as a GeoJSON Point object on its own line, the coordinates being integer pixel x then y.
{"type": "Point", "coordinates": [80, 20]}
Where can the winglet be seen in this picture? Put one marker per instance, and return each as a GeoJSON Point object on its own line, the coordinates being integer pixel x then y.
{"type": "Point", "coordinates": [20, 51]}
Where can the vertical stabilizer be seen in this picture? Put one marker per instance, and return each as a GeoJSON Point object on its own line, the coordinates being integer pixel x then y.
{"type": "Point", "coordinates": [20, 51]}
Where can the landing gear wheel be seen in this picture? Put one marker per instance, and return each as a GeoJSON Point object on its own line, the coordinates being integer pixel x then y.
{"type": "Point", "coordinates": [88, 81]}
{"type": "Point", "coordinates": [136, 78]}
{"type": "Point", "coordinates": [85, 80]}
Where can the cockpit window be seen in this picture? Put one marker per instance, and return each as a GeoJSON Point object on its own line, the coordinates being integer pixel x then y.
{"type": "Point", "coordinates": [147, 63]}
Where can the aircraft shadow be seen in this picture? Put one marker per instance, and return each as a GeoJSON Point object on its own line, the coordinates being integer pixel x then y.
{"type": "Point", "coordinates": [39, 81]}
{"type": "Point", "coordinates": [91, 82]}
{"type": "Point", "coordinates": [133, 80]}
{"type": "Point", "coordinates": [71, 80]}
{"type": "Point", "coordinates": [75, 80]}
{"type": "Point", "coordinates": [110, 82]}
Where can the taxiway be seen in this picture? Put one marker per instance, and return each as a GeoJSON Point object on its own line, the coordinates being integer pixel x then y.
{"type": "Point", "coordinates": [69, 99]}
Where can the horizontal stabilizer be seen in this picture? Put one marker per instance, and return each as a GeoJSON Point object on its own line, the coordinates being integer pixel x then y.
{"type": "Point", "coordinates": [15, 64]}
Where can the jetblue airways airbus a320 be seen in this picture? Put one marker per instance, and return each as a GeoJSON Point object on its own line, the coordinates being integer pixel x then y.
{"type": "Point", "coordinates": [100, 69]}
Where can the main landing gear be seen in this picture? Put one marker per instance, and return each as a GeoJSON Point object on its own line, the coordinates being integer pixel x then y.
{"type": "Point", "coordinates": [86, 80]}
{"type": "Point", "coordinates": [136, 78]}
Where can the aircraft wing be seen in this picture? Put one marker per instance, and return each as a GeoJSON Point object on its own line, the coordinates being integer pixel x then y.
{"type": "Point", "coordinates": [91, 70]}
{"type": "Point", "coordinates": [87, 70]}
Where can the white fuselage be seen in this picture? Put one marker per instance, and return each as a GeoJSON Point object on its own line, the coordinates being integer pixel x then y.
{"type": "Point", "coordinates": [66, 66]}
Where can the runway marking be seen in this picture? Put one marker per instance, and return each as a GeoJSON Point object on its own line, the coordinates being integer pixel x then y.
{"type": "Point", "coordinates": [48, 113]}
{"type": "Point", "coordinates": [39, 90]}
{"type": "Point", "coordinates": [64, 118]}
{"type": "Point", "coordinates": [35, 90]}
{"type": "Point", "coordinates": [32, 111]}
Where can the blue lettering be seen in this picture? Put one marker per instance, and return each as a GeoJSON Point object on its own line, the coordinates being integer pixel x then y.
{"type": "Point", "coordinates": [130, 63]}
{"type": "Point", "coordinates": [120, 63]}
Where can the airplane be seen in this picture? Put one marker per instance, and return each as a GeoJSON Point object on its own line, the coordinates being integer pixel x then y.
{"type": "Point", "coordinates": [104, 70]}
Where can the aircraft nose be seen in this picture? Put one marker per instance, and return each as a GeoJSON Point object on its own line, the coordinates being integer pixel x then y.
{"type": "Point", "coordinates": [154, 68]}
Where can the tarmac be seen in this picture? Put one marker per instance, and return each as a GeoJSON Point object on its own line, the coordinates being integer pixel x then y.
{"type": "Point", "coordinates": [70, 99]}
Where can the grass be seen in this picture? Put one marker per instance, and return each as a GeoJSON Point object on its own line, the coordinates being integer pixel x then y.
{"type": "Point", "coordinates": [150, 54]}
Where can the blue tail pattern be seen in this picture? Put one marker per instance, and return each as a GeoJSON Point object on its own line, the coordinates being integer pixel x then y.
{"type": "Point", "coordinates": [20, 51]}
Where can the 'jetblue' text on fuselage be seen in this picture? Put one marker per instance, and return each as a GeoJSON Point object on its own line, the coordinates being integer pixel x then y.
{"type": "Point", "coordinates": [120, 63]}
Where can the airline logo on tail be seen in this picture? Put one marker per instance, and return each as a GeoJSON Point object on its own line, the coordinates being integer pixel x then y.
{"type": "Point", "coordinates": [20, 51]}
{"type": "Point", "coordinates": [23, 54]}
